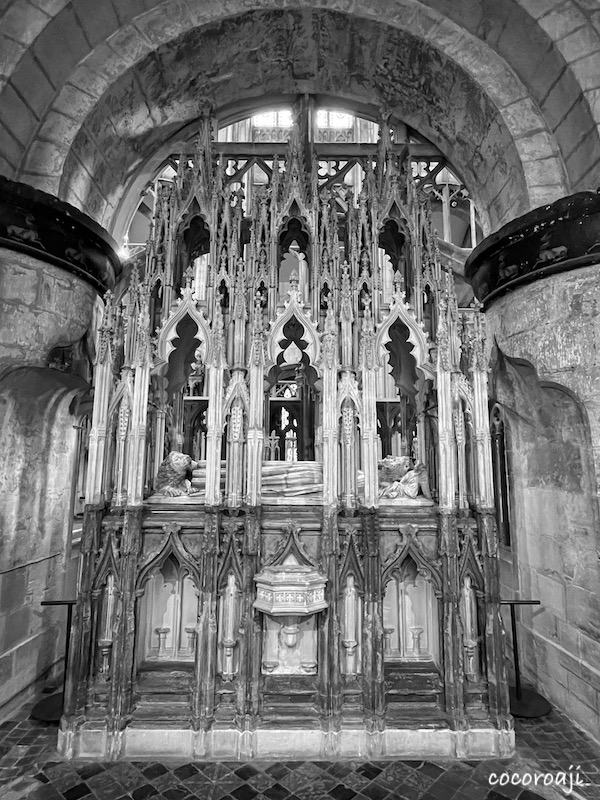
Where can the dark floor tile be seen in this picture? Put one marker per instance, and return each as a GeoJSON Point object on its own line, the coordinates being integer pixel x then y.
{"type": "Point", "coordinates": [152, 771]}
{"type": "Point", "coordinates": [142, 792]}
{"type": "Point", "coordinates": [245, 772]}
{"type": "Point", "coordinates": [86, 771]}
{"type": "Point", "coordinates": [375, 792]}
{"type": "Point", "coordinates": [472, 791]}
{"type": "Point", "coordinates": [245, 792]}
{"type": "Point", "coordinates": [176, 793]}
{"type": "Point", "coordinates": [340, 770]}
{"type": "Point", "coordinates": [277, 771]}
{"type": "Point", "coordinates": [276, 792]}
{"type": "Point", "coordinates": [185, 771]}
{"type": "Point", "coordinates": [427, 768]}
{"type": "Point", "coordinates": [369, 770]}
{"type": "Point", "coordinates": [81, 790]}
{"type": "Point", "coordinates": [342, 792]}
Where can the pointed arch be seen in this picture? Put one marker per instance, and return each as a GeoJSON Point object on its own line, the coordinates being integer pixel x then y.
{"type": "Point", "coordinates": [172, 547]}
{"type": "Point", "coordinates": [186, 306]}
{"type": "Point", "coordinates": [418, 338]}
{"type": "Point", "coordinates": [108, 565]}
{"type": "Point", "coordinates": [352, 564]}
{"type": "Point", "coordinates": [237, 388]}
{"type": "Point", "coordinates": [294, 309]}
{"type": "Point", "coordinates": [348, 390]}
{"type": "Point", "coordinates": [290, 544]}
{"type": "Point", "coordinates": [231, 563]}
{"type": "Point", "coordinates": [409, 546]}
{"type": "Point", "coordinates": [469, 561]}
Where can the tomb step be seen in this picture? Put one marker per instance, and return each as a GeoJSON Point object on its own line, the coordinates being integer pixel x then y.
{"type": "Point", "coordinates": [158, 713]}
{"type": "Point", "coordinates": [165, 679]}
{"type": "Point", "coordinates": [158, 698]}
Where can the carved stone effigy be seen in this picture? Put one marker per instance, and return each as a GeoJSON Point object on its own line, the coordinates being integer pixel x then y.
{"type": "Point", "coordinates": [400, 481]}
{"type": "Point", "coordinates": [291, 478]}
{"type": "Point", "coordinates": [199, 478]}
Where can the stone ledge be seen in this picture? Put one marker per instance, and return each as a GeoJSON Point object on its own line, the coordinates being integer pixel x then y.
{"type": "Point", "coordinates": [93, 742]}
{"type": "Point", "coordinates": [41, 226]}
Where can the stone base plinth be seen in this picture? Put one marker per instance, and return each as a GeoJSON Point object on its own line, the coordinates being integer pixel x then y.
{"type": "Point", "coordinates": [93, 742]}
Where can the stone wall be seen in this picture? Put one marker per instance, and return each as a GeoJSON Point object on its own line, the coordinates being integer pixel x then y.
{"type": "Point", "coordinates": [38, 446]}
{"type": "Point", "coordinates": [53, 263]}
{"type": "Point", "coordinates": [553, 430]}
{"type": "Point", "coordinates": [41, 307]}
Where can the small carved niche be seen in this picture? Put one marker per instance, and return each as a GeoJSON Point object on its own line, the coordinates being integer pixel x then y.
{"type": "Point", "coordinates": [410, 618]}
{"type": "Point", "coordinates": [169, 613]}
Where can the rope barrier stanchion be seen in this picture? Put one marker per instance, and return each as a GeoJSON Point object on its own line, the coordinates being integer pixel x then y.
{"type": "Point", "coordinates": [50, 708]}
{"type": "Point", "coordinates": [524, 701]}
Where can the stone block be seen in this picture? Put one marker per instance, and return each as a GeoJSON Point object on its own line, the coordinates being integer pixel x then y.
{"type": "Point", "coordinates": [578, 602]}
{"type": "Point", "coordinates": [537, 8]}
{"type": "Point", "coordinates": [538, 144]}
{"type": "Point", "coordinates": [543, 171]}
{"type": "Point", "coordinates": [578, 162]}
{"type": "Point", "coordinates": [128, 9]}
{"type": "Point", "coordinates": [31, 83]}
{"type": "Point", "coordinates": [57, 127]}
{"type": "Point", "coordinates": [38, 654]}
{"type": "Point", "coordinates": [522, 117]}
{"type": "Point", "coordinates": [589, 648]}
{"type": "Point", "coordinates": [58, 60]}
{"type": "Point", "coordinates": [10, 53]}
{"type": "Point", "coordinates": [7, 167]}
{"type": "Point", "coordinates": [12, 148]}
{"type": "Point", "coordinates": [7, 667]}
{"type": "Point", "coordinates": [129, 42]}
{"type": "Point", "coordinates": [18, 283]}
{"type": "Point", "coordinates": [546, 73]}
{"type": "Point", "coordinates": [561, 21]}
{"type": "Point", "coordinates": [17, 116]}
{"type": "Point", "coordinates": [167, 22]}
{"type": "Point", "coordinates": [16, 628]}
{"type": "Point", "coordinates": [586, 72]}
{"type": "Point", "coordinates": [569, 636]}
{"type": "Point", "coordinates": [544, 195]}
{"type": "Point", "coordinates": [23, 22]}
{"type": "Point", "coordinates": [13, 588]}
{"type": "Point", "coordinates": [581, 713]}
{"type": "Point", "coordinates": [73, 102]}
{"type": "Point", "coordinates": [97, 20]}
{"type": "Point", "coordinates": [46, 158]}
{"type": "Point", "coordinates": [579, 44]}
{"type": "Point", "coordinates": [45, 183]}
{"type": "Point", "coordinates": [542, 621]}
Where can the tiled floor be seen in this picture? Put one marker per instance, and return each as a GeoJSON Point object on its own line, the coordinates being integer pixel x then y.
{"type": "Point", "coordinates": [31, 768]}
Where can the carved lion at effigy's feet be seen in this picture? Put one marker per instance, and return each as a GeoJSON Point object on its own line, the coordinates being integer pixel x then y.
{"type": "Point", "coordinates": [171, 478]}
